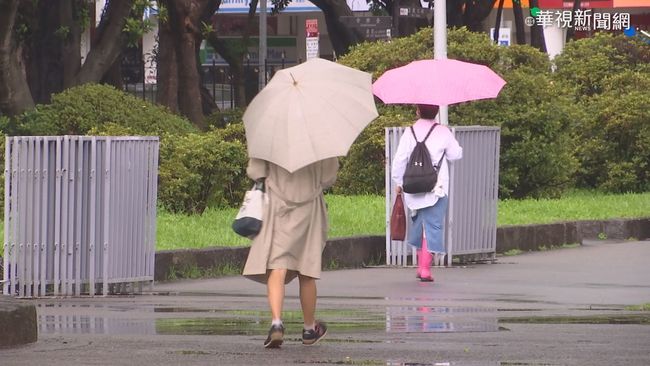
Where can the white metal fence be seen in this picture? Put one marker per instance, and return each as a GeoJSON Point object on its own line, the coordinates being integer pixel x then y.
{"type": "Point", "coordinates": [80, 214]}
{"type": "Point", "coordinates": [471, 221]}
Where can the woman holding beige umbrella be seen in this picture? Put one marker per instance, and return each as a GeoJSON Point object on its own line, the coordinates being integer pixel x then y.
{"type": "Point", "coordinates": [296, 127]}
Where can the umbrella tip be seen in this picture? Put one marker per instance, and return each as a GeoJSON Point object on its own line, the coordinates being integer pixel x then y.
{"type": "Point", "coordinates": [294, 79]}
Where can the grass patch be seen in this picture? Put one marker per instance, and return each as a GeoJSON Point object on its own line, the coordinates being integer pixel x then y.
{"type": "Point", "coordinates": [348, 216]}
{"type": "Point", "coordinates": [193, 271]}
{"type": "Point", "coordinates": [642, 307]}
{"type": "Point", "coordinates": [365, 215]}
{"type": "Point", "coordinates": [512, 252]}
{"type": "Point", "coordinates": [574, 206]}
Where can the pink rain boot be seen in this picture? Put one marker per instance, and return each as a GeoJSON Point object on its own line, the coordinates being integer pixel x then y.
{"type": "Point", "coordinates": [419, 275]}
{"type": "Point", "coordinates": [424, 263]}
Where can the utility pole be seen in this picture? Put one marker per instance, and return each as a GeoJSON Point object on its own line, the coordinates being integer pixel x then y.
{"type": "Point", "coordinates": [262, 46]}
{"type": "Point", "coordinates": [440, 44]}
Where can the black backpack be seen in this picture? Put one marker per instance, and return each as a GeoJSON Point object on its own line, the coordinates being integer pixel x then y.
{"type": "Point", "coordinates": [421, 175]}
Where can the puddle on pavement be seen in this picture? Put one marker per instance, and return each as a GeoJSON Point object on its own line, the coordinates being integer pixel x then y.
{"type": "Point", "coordinates": [466, 363]}
{"type": "Point", "coordinates": [62, 318]}
{"type": "Point", "coordinates": [616, 319]}
{"type": "Point", "coordinates": [425, 319]}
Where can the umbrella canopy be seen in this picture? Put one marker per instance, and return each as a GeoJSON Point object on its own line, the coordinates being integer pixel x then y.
{"type": "Point", "coordinates": [437, 82]}
{"type": "Point", "coordinates": [308, 113]}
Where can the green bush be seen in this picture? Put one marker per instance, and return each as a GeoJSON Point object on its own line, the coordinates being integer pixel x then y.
{"type": "Point", "coordinates": [613, 141]}
{"type": "Point", "coordinates": [224, 117]}
{"type": "Point", "coordinates": [77, 110]}
{"type": "Point", "coordinates": [377, 57]}
{"type": "Point", "coordinates": [200, 170]}
{"type": "Point", "coordinates": [608, 78]}
{"type": "Point", "coordinates": [362, 170]}
{"type": "Point", "coordinates": [585, 64]}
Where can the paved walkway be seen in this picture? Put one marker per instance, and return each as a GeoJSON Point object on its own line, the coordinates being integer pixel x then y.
{"type": "Point", "coordinates": [561, 307]}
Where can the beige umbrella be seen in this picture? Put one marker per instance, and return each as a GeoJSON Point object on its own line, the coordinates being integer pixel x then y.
{"type": "Point", "coordinates": [308, 113]}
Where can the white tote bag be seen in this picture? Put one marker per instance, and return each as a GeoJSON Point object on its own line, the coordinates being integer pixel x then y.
{"type": "Point", "coordinates": [248, 222]}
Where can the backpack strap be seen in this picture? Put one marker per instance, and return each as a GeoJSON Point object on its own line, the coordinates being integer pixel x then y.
{"type": "Point", "coordinates": [442, 157]}
{"type": "Point", "coordinates": [425, 137]}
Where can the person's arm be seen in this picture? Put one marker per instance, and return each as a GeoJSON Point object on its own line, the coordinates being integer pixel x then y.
{"type": "Point", "coordinates": [400, 160]}
{"type": "Point", "coordinates": [257, 169]}
{"type": "Point", "coordinates": [453, 150]}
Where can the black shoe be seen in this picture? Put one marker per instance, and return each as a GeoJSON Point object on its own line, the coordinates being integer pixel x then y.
{"type": "Point", "coordinates": [274, 340]}
{"type": "Point", "coordinates": [312, 336]}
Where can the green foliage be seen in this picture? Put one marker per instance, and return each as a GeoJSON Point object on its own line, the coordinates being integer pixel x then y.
{"type": "Point", "coordinates": [77, 110]}
{"type": "Point", "coordinates": [200, 170]}
{"type": "Point", "coordinates": [362, 171]}
{"type": "Point", "coordinates": [608, 77]}
{"type": "Point", "coordinates": [223, 118]}
{"type": "Point", "coordinates": [585, 64]}
{"type": "Point", "coordinates": [135, 26]}
{"type": "Point", "coordinates": [377, 57]}
{"type": "Point", "coordinates": [536, 157]}
{"type": "Point", "coordinates": [613, 141]}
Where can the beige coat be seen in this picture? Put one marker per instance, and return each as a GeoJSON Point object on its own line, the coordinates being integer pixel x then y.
{"type": "Point", "coordinates": [295, 219]}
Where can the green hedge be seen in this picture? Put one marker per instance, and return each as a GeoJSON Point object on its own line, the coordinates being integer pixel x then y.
{"type": "Point", "coordinates": [77, 110]}
{"type": "Point", "coordinates": [201, 170]}
{"type": "Point", "coordinates": [613, 141]}
{"type": "Point", "coordinates": [608, 78]}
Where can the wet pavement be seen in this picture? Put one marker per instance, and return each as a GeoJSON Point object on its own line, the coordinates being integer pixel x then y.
{"type": "Point", "coordinates": [560, 307]}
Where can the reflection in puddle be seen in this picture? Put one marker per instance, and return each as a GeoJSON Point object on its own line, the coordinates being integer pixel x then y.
{"type": "Point", "coordinates": [424, 319]}
{"type": "Point", "coordinates": [90, 319]}
{"type": "Point", "coordinates": [66, 318]}
{"type": "Point", "coordinates": [469, 363]}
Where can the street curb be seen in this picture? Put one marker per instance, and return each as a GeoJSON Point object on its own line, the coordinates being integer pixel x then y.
{"type": "Point", "coordinates": [355, 252]}
{"type": "Point", "coordinates": [350, 252]}
{"type": "Point", "coordinates": [18, 325]}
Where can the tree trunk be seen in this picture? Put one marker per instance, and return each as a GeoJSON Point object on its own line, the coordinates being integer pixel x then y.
{"type": "Point", "coordinates": [455, 13]}
{"type": "Point", "coordinates": [341, 36]}
{"type": "Point", "coordinates": [108, 43]}
{"type": "Point", "coordinates": [189, 95]}
{"type": "Point", "coordinates": [537, 32]}
{"type": "Point", "coordinates": [167, 69]}
{"type": "Point", "coordinates": [15, 97]}
{"type": "Point", "coordinates": [497, 26]}
{"type": "Point", "coordinates": [475, 13]}
{"type": "Point", "coordinates": [44, 50]}
{"type": "Point", "coordinates": [71, 47]}
{"type": "Point", "coordinates": [520, 30]}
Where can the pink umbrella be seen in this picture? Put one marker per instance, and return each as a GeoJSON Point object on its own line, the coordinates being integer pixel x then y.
{"type": "Point", "coordinates": [437, 82]}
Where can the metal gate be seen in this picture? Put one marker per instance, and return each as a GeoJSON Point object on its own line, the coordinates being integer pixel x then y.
{"type": "Point", "coordinates": [471, 223]}
{"type": "Point", "coordinates": [80, 214]}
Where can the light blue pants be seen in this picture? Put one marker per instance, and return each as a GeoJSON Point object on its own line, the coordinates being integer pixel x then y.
{"type": "Point", "coordinates": [432, 221]}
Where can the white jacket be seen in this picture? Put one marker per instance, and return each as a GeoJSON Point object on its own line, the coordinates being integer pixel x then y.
{"type": "Point", "coordinates": [441, 140]}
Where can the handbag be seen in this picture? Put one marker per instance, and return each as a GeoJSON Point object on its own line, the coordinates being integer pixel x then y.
{"type": "Point", "coordinates": [248, 222]}
{"type": "Point", "coordinates": [398, 220]}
